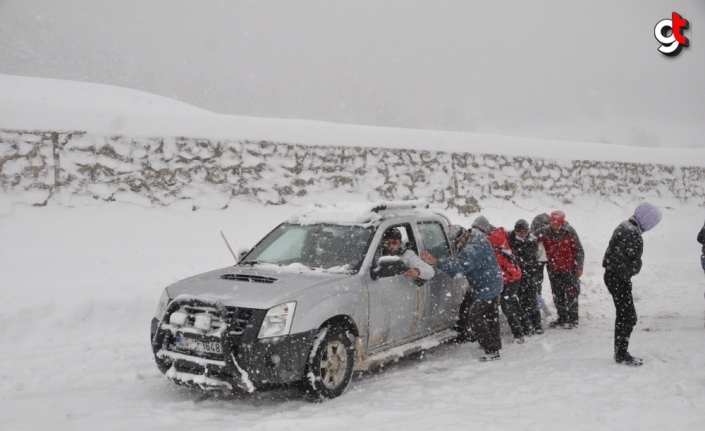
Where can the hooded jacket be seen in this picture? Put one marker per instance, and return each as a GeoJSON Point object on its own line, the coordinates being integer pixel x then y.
{"type": "Point", "coordinates": [623, 255]}
{"type": "Point", "coordinates": [701, 238]}
{"type": "Point", "coordinates": [511, 271]}
{"type": "Point", "coordinates": [541, 220]}
{"type": "Point", "coordinates": [477, 262]}
{"type": "Point", "coordinates": [563, 248]}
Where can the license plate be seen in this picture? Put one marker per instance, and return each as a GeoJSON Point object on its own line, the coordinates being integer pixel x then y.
{"type": "Point", "coordinates": [197, 345]}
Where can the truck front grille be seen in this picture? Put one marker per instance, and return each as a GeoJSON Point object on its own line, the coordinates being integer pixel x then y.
{"type": "Point", "coordinates": [221, 333]}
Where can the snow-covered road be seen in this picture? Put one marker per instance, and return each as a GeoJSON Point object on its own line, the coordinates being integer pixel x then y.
{"type": "Point", "coordinates": [80, 286]}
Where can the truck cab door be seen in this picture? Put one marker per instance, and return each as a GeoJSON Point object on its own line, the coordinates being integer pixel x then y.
{"type": "Point", "coordinates": [398, 306]}
{"type": "Point", "coordinates": [446, 293]}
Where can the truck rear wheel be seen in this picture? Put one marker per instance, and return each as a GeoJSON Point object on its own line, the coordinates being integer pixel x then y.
{"type": "Point", "coordinates": [330, 364]}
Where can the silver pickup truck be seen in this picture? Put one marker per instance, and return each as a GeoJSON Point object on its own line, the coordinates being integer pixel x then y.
{"type": "Point", "coordinates": [310, 304]}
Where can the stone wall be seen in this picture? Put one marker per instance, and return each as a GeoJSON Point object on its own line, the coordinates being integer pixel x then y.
{"type": "Point", "coordinates": [164, 170]}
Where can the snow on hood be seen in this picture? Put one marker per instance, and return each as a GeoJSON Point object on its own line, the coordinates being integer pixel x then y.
{"type": "Point", "coordinates": [291, 280]}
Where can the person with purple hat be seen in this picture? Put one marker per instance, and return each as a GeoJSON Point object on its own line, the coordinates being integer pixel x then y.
{"type": "Point", "coordinates": [622, 261]}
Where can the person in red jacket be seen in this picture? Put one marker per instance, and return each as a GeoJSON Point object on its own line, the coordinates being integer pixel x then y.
{"type": "Point", "coordinates": [511, 273]}
{"type": "Point", "coordinates": [565, 267]}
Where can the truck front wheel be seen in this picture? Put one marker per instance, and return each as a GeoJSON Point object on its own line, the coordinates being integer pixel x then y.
{"type": "Point", "coordinates": [330, 364]}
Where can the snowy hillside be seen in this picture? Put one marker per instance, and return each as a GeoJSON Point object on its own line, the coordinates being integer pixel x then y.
{"type": "Point", "coordinates": [56, 105]}
{"type": "Point", "coordinates": [81, 277]}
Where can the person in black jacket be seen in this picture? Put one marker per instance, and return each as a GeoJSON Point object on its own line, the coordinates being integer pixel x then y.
{"type": "Point", "coordinates": [701, 240]}
{"type": "Point", "coordinates": [527, 251]}
{"type": "Point", "coordinates": [540, 221]}
{"type": "Point", "coordinates": [622, 261]}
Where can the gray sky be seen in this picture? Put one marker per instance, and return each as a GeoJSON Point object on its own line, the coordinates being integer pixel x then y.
{"type": "Point", "coordinates": [546, 69]}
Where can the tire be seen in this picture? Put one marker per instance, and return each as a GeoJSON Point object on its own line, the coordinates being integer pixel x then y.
{"type": "Point", "coordinates": [329, 368]}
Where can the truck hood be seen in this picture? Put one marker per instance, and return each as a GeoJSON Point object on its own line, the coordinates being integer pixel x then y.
{"type": "Point", "coordinates": [287, 285]}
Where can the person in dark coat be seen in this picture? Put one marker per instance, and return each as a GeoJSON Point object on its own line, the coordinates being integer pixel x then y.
{"type": "Point", "coordinates": [540, 221]}
{"type": "Point", "coordinates": [701, 240]}
{"type": "Point", "coordinates": [527, 251]}
{"type": "Point", "coordinates": [477, 262]}
{"type": "Point", "coordinates": [565, 267]}
{"type": "Point", "coordinates": [511, 274]}
{"type": "Point", "coordinates": [622, 261]}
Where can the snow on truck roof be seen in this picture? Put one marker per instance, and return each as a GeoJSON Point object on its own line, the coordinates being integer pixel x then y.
{"type": "Point", "coordinates": [365, 214]}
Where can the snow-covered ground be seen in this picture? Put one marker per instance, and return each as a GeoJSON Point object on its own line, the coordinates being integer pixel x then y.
{"type": "Point", "coordinates": [80, 287]}
{"type": "Point", "coordinates": [80, 283]}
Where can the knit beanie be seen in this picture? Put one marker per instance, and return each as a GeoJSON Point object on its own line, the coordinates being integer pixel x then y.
{"type": "Point", "coordinates": [521, 225]}
{"type": "Point", "coordinates": [481, 224]}
{"type": "Point", "coordinates": [456, 232]}
{"type": "Point", "coordinates": [558, 217]}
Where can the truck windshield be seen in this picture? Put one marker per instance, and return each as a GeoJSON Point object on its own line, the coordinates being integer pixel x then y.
{"type": "Point", "coordinates": [330, 247]}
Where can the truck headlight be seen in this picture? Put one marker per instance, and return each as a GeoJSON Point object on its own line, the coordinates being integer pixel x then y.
{"type": "Point", "coordinates": [162, 304]}
{"type": "Point", "coordinates": [278, 320]}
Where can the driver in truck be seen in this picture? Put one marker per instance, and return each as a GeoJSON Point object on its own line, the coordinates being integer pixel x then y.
{"type": "Point", "coordinates": [393, 246]}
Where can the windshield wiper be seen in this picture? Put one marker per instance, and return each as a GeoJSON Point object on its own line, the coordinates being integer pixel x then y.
{"type": "Point", "coordinates": [250, 262]}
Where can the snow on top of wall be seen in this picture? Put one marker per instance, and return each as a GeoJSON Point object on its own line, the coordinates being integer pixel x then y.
{"type": "Point", "coordinates": [57, 105]}
{"type": "Point", "coordinates": [50, 100]}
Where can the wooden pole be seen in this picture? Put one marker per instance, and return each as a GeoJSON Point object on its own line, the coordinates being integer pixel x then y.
{"type": "Point", "coordinates": [228, 245]}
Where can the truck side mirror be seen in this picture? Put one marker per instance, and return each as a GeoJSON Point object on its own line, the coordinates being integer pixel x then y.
{"type": "Point", "coordinates": [388, 266]}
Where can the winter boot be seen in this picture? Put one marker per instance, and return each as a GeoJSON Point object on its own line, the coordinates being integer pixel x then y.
{"type": "Point", "coordinates": [556, 323]}
{"type": "Point", "coordinates": [489, 356]}
{"type": "Point", "coordinates": [629, 360]}
{"type": "Point", "coordinates": [538, 330]}
{"type": "Point", "coordinates": [519, 340]}
{"type": "Point", "coordinates": [569, 326]}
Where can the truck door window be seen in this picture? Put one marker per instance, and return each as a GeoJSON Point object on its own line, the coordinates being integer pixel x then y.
{"type": "Point", "coordinates": [434, 239]}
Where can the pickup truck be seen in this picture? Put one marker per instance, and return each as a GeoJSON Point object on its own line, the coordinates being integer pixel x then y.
{"type": "Point", "coordinates": [311, 303]}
